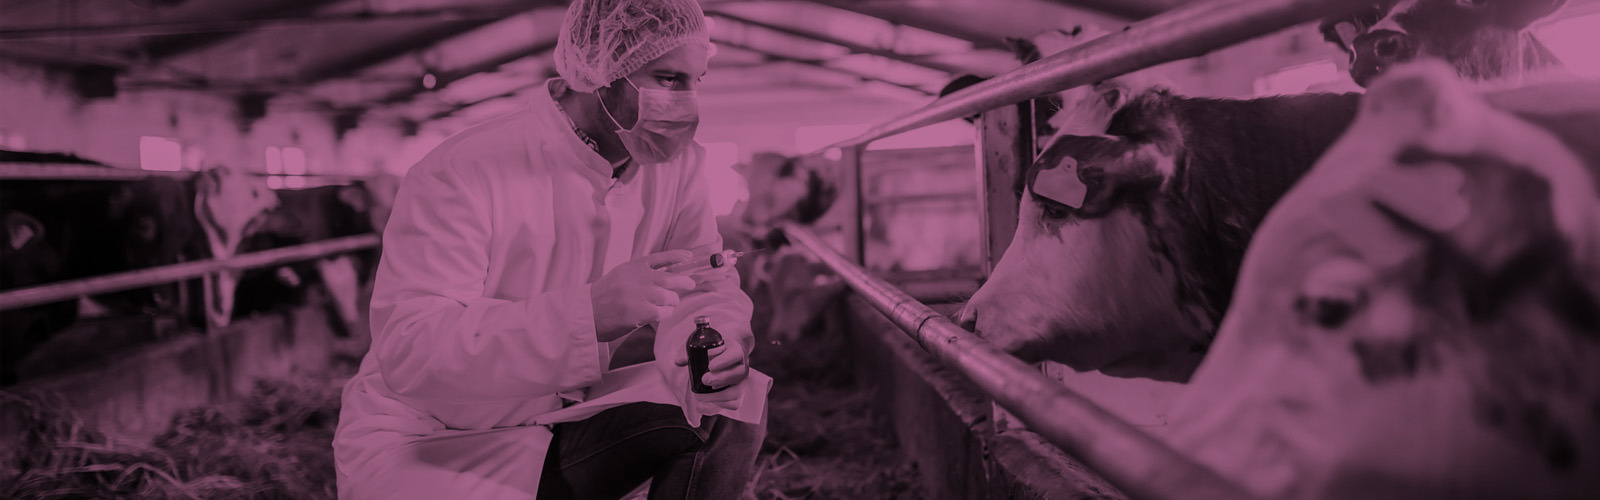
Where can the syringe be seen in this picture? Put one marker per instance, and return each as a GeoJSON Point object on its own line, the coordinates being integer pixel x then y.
{"type": "Point", "coordinates": [717, 260]}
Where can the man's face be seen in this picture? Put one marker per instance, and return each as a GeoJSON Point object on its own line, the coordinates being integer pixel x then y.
{"type": "Point", "coordinates": [678, 70]}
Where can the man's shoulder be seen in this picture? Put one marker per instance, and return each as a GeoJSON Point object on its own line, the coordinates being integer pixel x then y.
{"type": "Point", "coordinates": [499, 137]}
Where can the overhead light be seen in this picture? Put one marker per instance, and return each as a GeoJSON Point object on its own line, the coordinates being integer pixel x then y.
{"type": "Point", "coordinates": [429, 81]}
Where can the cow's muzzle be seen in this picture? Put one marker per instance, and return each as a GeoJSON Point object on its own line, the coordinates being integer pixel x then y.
{"type": "Point", "coordinates": [1377, 51]}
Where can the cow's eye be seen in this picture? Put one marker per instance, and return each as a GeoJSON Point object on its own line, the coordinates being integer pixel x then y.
{"type": "Point", "coordinates": [1333, 292]}
{"type": "Point", "coordinates": [1113, 98]}
{"type": "Point", "coordinates": [1053, 211]}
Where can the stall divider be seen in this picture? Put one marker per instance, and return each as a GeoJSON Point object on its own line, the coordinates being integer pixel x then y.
{"type": "Point", "coordinates": [1134, 461]}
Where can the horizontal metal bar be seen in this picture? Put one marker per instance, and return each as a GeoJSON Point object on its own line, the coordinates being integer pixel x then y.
{"type": "Point", "coordinates": [898, 199]}
{"type": "Point", "coordinates": [35, 171]}
{"type": "Point", "coordinates": [1134, 461]}
{"type": "Point", "coordinates": [441, 14]}
{"type": "Point", "coordinates": [69, 172]}
{"type": "Point", "coordinates": [45, 294]}
{"type": "Point", "coordinates": [1189, 31]}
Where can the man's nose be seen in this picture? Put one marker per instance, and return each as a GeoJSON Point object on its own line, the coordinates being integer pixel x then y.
{"type": "Point", "coordinates": [1385, 47]}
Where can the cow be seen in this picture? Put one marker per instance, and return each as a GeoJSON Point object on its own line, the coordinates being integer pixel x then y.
{"type": "Point", "coordinates": [65, 230]}
{"type": "Point", "coordinates": [1419, 317]}
{"type": "Point", "coordinates": [1128, 242]}
{"type": "Point", "coordinates": [306, 216]}
{"type": "Point", "coordinates": [1483, 39]}
{"type": "Point", "coordinates": [786, 293]}
{"type": "Point", "coordinates": [25, 260]}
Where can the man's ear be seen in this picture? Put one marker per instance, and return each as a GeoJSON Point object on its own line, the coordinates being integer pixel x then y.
{"type": "Point", "coordinates": [1519, 14]}
{"type": "Point", "coordinates": [22, 229]}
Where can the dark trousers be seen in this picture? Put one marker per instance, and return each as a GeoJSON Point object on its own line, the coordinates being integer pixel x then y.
{"type": "Point", "coordinates": [615, 451]}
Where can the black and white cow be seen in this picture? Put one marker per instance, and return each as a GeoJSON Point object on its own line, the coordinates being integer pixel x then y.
{"type": "Point", "coordinates": [307, 216]}
{"type": "Point", "coordinates": [1419, 318]}
{"type": "Point", "coordinates": [1125, 253]}
{"type": "Point", "coordinates": [65, 230]}
{"type": "Point", "coordinates": [1482, 39]}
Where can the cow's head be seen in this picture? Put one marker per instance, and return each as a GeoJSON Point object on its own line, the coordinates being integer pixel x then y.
{"type": "Point", "coordinates": [25, 258]}
{"type": "Point", "coordinates": [228, 203]}
{"type": "Point", "coordinates": [784, 189]}
{"type": "Point", "coordinates": [797, 290]}
{"type": "Point", "coordinates": [1428, 298]}
{"type": "Point", "coordinates": [1483, 39]}
{"type": "Point", "coordinates": [1083, 281]}
{"type": "Point", "coordinates": [154, 214]}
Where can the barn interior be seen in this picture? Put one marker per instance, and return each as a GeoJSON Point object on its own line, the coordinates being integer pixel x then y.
{"type": "Point", "coordinates": [162, 399]}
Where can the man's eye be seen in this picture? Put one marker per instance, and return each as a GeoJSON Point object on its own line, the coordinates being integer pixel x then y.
{"type": "Point", "coordinates": [667, 81]}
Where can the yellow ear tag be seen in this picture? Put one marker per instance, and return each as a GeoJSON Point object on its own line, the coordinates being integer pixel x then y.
{"type": "Point", "coordinates": [1061, 184]}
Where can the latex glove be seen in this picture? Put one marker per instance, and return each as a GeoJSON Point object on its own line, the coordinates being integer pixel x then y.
{"type": "Point", "coordinates": [728, 368]}
{"type": "Point", "coordinates": [637, 293]}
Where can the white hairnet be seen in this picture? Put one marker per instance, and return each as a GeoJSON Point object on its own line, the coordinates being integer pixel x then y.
{"type": "Point", "coordinates": [602, 41]}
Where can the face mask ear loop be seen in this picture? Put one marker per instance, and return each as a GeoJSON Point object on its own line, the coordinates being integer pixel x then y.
{"type": "Point", "coordinates": [607, 109]}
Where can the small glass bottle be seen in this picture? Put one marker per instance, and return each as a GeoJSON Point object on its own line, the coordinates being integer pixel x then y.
{"type": "Point", "coordinates": [700, 344]}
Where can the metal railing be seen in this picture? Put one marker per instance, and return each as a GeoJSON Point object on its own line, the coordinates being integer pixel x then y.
{"type": "Point", "coordinates": [1133, 460]}
{"type": "Point", "coordinates": [44, 294]}
{"type": "Point", "coordinates": [75, 172]}
{"type": "Point", "coordinates": [1189, 31]}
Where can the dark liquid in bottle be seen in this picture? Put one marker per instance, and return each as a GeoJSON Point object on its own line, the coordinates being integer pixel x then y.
{"type": "Point", "coordinates": [701, 342]}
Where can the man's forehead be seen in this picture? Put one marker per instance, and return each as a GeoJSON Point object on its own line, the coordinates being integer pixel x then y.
{"type": "Point", "coordinates": [687, 60]}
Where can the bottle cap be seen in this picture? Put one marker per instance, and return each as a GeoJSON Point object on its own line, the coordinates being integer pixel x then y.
{"type": "Point", "coordinates": [718, 260]}
{"type": "Point", "coordinates": [702, 320]}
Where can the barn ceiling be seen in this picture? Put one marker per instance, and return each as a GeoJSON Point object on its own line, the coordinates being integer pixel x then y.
{"type": "Point", "coordinates": [421, 60]}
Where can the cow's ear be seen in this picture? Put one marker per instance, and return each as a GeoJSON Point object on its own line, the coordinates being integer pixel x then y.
{"type": "Point", "coordinates": [1146, 118]}
{"type": "Point", "coordinates": [208, 182]}
{"type": "Point", "coordinates": [22, 229]}
{"type": "Point", "coordinates": [1024, 49]}
{"type": "Point", "coordinates": [1518, 14]}
{"type": "Point", "coordinates": [355, 197]}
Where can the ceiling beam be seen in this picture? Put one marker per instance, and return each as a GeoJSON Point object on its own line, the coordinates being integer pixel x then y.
{"type": "Point", "coordinates": [279, 20]}
{"type": "Point", "coordinates": [469, 70]}
{"type": "Point", "coordinates": [1126, 9]}
{"type": "Point", "coordinates": [819, 64]}
{"type": "Point", "coordinates": [163, 47]}
{"type": "Point", "coordinates": [414, 41]}
{"type": "Point", "coordinates": [954, 30]}
{"type": "Point", "coordinates": [852, 46]}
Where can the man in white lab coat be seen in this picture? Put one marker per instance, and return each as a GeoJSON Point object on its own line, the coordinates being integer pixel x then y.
{"type": "Point", "coordinates": [520, 253]}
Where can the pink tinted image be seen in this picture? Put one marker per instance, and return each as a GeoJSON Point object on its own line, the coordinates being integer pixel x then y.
{"type": "Point", "coordinates": [763, 249]}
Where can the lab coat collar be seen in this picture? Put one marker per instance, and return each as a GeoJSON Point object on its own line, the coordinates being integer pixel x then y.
{"type": "Point", "coordinates": [544, 105]}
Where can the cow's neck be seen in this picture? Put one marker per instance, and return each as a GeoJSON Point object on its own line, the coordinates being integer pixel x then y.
{"type": "Point", "coordinates": [1240, 157]}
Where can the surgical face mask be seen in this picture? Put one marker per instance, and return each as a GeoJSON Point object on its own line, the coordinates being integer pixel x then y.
{"type": "Point", "coordinates": [667, 120]}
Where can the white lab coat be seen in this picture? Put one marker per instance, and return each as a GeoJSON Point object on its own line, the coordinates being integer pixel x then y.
{"type": "Point", "coordinates": [481, 317]}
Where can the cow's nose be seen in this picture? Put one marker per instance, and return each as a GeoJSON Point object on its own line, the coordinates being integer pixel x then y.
{"type": "Point", "coordinates": [1386, 47]}
{"type": "Point", "coordinates": [967, 319]}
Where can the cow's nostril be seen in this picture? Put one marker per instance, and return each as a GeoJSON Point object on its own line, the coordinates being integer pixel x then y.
{"type": "Point", "coordinates": [967, 321]}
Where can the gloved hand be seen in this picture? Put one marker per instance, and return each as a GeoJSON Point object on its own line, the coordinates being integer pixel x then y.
{"type": "Point", "coordinates": [728, 367]}
{"type": "Point", "coordinates": [637, 292]}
